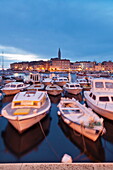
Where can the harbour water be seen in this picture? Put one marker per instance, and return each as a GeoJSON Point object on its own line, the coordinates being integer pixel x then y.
{"type": "Point", "coordinates": [50, 139]}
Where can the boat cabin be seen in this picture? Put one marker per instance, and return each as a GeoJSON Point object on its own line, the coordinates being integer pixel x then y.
{"type": "Point", "coordinates": [15, 85]}
{"type": "Point", "coordinates": [101, 97]}
{"type": "Point", "coordinates": [100, 85]}
{"type": "Point", "coordinates": [35, 77]}
{"type": "Point", "coordinates": [34, 99]}
{"type": "Point", "coordinates": [60, 79]}
{"type": "Point", "coordinates": [72, 85]}
{"type": "Point", "coordinates": [82, 81]}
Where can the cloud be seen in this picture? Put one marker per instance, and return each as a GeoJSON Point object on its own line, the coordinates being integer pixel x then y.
{"type": "Point", "coordinates": [15, 55]}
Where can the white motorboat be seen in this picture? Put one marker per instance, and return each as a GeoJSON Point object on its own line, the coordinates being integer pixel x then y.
{"type": "Point", "coordinates": [94, 151]}
{"type": "Point", "coordinates": [82, 81]}
{"type": "Point", "coordinates": [80, 118]}
{"type": "Point", "coordinates": [100, 97]}
{"type": "Point", "coordinates": [26, 109]}
{"type": "Point", "coordinates": [54, 89]}
{"type": "Point", "coordinates": [85, 83]}
{"type": "Point", "coordinates": [14, 87]}
{"type": "Point", "coordinates": [38, 86]}
{"type": "Point", "coordinates": [73, 88]}
{"type": "Point", "coordinates": [32, 78]}
{"type": "Point", "coordinates": [60, 81]}
{"type": "Point", "coordinates": [47, 81]}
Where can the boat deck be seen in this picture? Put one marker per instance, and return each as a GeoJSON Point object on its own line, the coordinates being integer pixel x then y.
{"type": "Point", "coordinates": [25, 111]}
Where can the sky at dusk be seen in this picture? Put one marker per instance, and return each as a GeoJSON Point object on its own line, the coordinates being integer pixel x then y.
{"type": "Point", "coordinates": [35, 29]}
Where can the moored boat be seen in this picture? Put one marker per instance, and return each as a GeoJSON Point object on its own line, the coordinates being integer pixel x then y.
{"type": "Point", "coordinates": [83, 82]}
{"type": "Point", "coordinates": [100, 97]}
{"type": "Point", "coordinates": [38, 86]}
{"type": "Point", "coordinates": [47, 81]}
{"type": "Point", "coordinates": [93, 150]}
{"type": "Point", "coordinates": [26, 109]}
{"type": "Point", "coordinates": [53, 89]}
{"type": "Point", "coordinates": [73, 88]}
{"type": "Point", "coordinates": [80, 118]}
{"type": "Point", "coordinates": [60, 81]}
{"type": "Point", "coordinates": [14, 87]}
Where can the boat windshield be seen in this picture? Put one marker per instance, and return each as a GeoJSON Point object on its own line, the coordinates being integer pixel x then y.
{"type": "Point", "coordinates": [13, 85]}
{"type": "Point", "coordinates": [99, 85]}
{"type": "Point", "coordinates": [72, 86]}
{"type": "Point", "coordinates": [20, 85]}
{"type": "Point", "coordinates": [77, 85]}
{"type": "Point", "coordinates": [109, 85]}
{"type": "Point", "coordinates": [7, 85]}
{"type": "Point", "coordinates": [52, 87]}
{"type": "Point", "coordinates": [37, 86]}
{"type": "Point", "coordinates": [71, 111]}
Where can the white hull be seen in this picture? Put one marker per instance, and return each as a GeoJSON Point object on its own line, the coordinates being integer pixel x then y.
{"type": "Point", "coordinates": [60, 83]}
{"type": "Point", "coordinates": [80, 118]}
{"type": "Point", "coordinates": [26, 109]}
{"type": "Point", "coordinates": [54, 92]}
{"type": "Point", "coordinates": [89, 133]}
{"type": "Point", "coordinates": [22, 125]}
{"type": "Point", "coordinates": [73, 91]}
{"type": "Point", "coordinates": [10, 92]}
{"type": "Point", "coordinates": [105, 113]}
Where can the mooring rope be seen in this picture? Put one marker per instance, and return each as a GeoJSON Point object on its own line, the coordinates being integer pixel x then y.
{"type": "Point", "coordinates": [77, 134]}
{"type": "Point", "coordinates": [83, 145]}
{"type": "Point", "coordinates": [53, 150]}
{"type": "Point", "coordinates": [83, 139]}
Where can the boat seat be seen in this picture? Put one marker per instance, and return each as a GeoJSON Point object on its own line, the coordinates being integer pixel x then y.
{"type": "Point", "coordinates": [21, 112]}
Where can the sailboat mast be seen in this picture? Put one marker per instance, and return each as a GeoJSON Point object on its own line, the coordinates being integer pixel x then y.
{"type": "Point", "coordinates": [2, 61]}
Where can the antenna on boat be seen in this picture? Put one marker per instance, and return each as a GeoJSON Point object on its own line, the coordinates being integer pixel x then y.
{"type": "Point", "coordinates": [2, 61]}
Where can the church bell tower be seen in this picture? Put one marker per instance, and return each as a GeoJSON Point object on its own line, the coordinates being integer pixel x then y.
{"type": "Point", "coordinates": [59, 54]}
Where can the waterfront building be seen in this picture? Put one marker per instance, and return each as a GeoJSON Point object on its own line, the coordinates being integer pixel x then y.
{"type": "Point", "coordinates": [99, 67]}
{"type": "Point", "coordinates": [75, 66]}
{"type": "Point", "coordinates": [60, 64]}
{"type": "Point", "coordinates": [107, 66]}
{"type": "Point", "coordinates": [33, 65]}
{"type": "Point", "coordinates": [39, 65]}
{"type": "Point", "coordinates": [19, 66]}
{"type": "Point", "coordinates": [83, 66]}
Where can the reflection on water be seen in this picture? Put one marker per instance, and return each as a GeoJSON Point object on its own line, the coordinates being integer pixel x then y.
{"type": "Point", "coordinates": [55, 99]}
{"type": "Point", "coordinates": [77, 97]}
{"type": "Point", "coordinates": [21, 144]}
{"type": "Point", "coordinates": [109, 130]}
{"type": "Point", "coordinates": [7, 99]}
{"type": "Point", "coordinates": [93, 150]}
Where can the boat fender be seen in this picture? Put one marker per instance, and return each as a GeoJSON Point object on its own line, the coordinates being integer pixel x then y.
{"type": "Point", "coordinates": [67, 121]}
{"type": "Point", "coordinates": [66, 159]}
{"type": "Point", "coordinates": [59, 113]}
{"type": "Point", "coordinates": [103, 131]}
{"type": "Point", "coordinates": [84, 99]}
